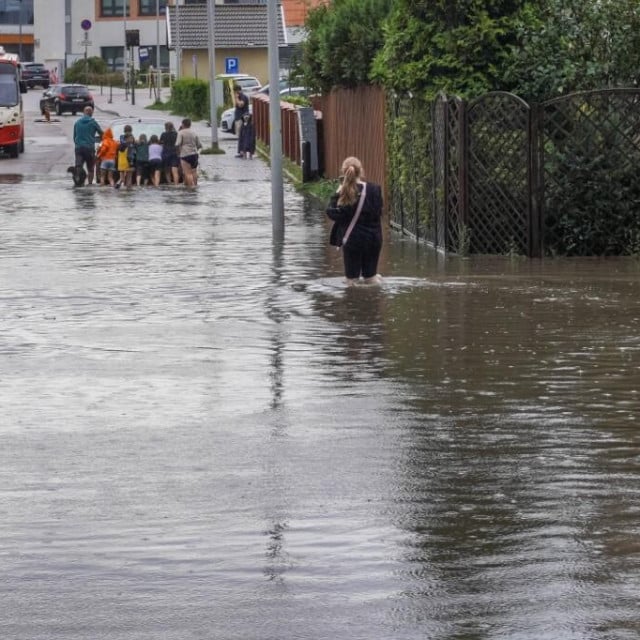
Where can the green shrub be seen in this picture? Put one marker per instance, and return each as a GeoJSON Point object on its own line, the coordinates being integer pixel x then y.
{"type": "Point", "coordinates": [191, 97]}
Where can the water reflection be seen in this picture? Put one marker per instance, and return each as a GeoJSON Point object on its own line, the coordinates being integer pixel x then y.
{"type": "Point", "coordinates": [207, 433]}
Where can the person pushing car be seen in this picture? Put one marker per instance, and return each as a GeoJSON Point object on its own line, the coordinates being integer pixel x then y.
{"type": "Point", "coordinates": [85, 131]}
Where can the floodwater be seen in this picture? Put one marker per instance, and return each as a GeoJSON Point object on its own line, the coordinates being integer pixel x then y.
{"type": "Point", "coordinates": [204, 436]}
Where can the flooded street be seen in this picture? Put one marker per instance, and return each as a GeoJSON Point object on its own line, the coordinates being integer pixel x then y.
{"type": "Point", "coordinates": [204, 436]}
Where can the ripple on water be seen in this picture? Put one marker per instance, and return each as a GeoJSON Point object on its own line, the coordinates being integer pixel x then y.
{"type": "Point", "coordinates": [206, 435]}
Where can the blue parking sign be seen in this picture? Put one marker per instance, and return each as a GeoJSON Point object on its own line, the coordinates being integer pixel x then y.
{"type": "Point", "coordinates": [231, 65]}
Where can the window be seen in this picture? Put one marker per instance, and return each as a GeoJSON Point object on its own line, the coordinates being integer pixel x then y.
{"type": "Point", "coordinates": [113, 8]}
{"type": "Point", "coordinates": [148, 7]}
{"type": "Point", "coordinates": [114, 57]}
{"type": "Point", "coordinates": [16, 13]}
{"type": "Point", "coordinates": [8, 90]}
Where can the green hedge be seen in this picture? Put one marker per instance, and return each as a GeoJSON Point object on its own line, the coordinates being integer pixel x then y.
{"type": "Point", "coordinates": [191, 97]}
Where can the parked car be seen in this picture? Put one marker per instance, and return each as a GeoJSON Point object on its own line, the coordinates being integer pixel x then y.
{"type": "Point", "coordinates": [226, 118]}
{"type": "Point", "coordinates": [66, 97]}
{"type": "Point", "coordinates": [148, 126]}
{"type": "Point", "coordinates": [286, 89]}
{"type": "Point", "coordinates": [35, 74]}
{"type": "Point", "coordinates": [248, 84]}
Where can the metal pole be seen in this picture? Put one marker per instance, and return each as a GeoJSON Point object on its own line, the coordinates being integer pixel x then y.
{"type": "Point", "coordinates": [125, 57]}
{"type": "Point", "coordinates": [178, 44]}
{"type": "Point", "coordinates": [20, 33]}
{"type": "Point", "coordinates": [158, 66]}
{"type": "Point", "coordinates": [275, 125]}
{"type": "Point", "coordinates": [133, 76]}
{"type": "Point", "coordinates": [213, 107]}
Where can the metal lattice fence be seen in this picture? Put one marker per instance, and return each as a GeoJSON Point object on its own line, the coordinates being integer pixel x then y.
{"type": "Point", "coordinates": [499, 189]}
{"type": "Point", "coordinates": [506, 177]}
{"type": "Point", "coordinates": [590, 159]}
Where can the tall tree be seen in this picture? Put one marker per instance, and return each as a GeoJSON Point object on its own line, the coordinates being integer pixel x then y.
{"type": "Point", "coordinates": [570, 45]}
{"type": "Point", "coordinates": [456, 46]}
{"type": "Point", "coordinates": [343, 39]}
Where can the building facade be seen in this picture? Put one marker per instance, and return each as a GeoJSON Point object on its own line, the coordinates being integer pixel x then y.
{"type": "Point", "coordinates": [16, 27]}
{"type": "Point", "coordinates": [67, 30]}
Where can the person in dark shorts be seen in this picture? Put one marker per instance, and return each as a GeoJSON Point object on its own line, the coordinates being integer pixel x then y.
{"type": "Point", "coordinates": [85, 132]}
{"type": "Point", "coordinates": [188, 144]}
{"type": "Point", "coordinates": [361, 249]}
{"type": "Point", "coordinates": [170, 160]}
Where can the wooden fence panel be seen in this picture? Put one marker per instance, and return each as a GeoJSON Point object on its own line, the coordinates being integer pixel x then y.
{"type": "Point", "coordinates": [354, 125]}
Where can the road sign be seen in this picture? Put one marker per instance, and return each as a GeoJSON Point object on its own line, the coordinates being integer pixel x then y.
{"type": "Point", "coordinates": [143, 52]}
{"type": "Point", "coordinates": [85, 25]}
{"type": "Point", "coordinates": [85, 43]}
{"type": "Point", "coordinates": [231, 65]}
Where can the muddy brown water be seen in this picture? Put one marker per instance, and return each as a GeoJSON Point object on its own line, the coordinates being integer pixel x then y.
{"type": "Point", "coordinates": [206, 436]}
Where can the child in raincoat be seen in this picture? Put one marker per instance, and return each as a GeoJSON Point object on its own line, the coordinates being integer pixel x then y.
{"type": "Point", "coordinates": [126, 157]}
{"type": "Point", "coordinates": [107, 153]}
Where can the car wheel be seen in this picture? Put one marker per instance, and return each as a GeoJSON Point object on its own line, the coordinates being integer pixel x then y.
{"type": "Point", "coordinates": [73, 112]}
{"type": "Point", "coordinates": [21, 145]}
{"type": "Point", "coordinates": [13, 151]}
{"type": "Point", "coordinates": [45, 86]}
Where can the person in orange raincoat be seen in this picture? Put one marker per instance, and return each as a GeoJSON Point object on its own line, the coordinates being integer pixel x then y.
{"type": "Point", "coordinates": [107, 153]}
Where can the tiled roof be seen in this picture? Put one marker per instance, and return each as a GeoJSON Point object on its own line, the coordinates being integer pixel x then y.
{"type": "Point", "coordinates": [242, 25]}
{"type": "Point", "coordinates": [296, 11]}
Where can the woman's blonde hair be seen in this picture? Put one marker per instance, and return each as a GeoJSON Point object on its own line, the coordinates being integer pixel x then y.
{"type": "Point", "coordinates": [352, 172]}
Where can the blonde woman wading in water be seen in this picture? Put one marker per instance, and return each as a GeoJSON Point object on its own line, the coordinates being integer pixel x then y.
{"type": "Point", "coordinates": [361, 250]}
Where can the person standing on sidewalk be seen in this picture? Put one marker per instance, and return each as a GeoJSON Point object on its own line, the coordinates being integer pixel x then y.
{"type": "Point", "coordinates": [85, 131]}
{"type": "Point", "coordinates": [188, 144]}
{"type": "Point", "coordinates": [241, 103]}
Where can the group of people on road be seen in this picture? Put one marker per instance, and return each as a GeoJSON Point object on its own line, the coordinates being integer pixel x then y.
{"type": "Point", "coordinates": [355, 207]}
{"type": "Point", "coordinates": [141, 161]}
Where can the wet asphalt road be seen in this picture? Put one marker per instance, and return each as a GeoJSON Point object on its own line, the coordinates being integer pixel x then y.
{"type": "Point", "coordinates": [205, 436]}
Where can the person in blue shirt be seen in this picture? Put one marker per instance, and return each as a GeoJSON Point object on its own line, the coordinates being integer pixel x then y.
{"type": "Point", "coordinates": [85, 131]}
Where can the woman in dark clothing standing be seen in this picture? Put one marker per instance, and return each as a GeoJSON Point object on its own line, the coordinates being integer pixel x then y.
{"type": "Point", "coordinates": [361, 249]}
{"type": "Point", "coordinates": [170, 160]}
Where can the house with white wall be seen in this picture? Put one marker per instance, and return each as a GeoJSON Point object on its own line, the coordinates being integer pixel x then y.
{"type": "Point", "coordinates": [67, 30]}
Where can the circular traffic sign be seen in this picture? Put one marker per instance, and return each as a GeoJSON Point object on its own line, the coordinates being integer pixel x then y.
{"type": "Point", "coordinates": [86, 25]}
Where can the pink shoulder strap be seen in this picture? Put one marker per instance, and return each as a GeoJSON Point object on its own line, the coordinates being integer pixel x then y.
{"type": "Point", "coordinates": [356, 215]}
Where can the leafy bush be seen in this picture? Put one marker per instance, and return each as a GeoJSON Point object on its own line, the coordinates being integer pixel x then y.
{"type": "Point", "coordinates": [343, 39]}
{"type": "Point", "coordinates": [593, 202]}
{"type": "Point", "coordinates": [191, 97]}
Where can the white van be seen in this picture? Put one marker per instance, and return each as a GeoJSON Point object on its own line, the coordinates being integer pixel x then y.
{"type": "Point", "coordinates": [226, 81]}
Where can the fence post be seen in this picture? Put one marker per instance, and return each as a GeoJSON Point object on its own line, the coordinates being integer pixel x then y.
{"type": "Point", "coordinates": [306, 161]}
{"type": "Point", "coordinates": [463, 163]}
{"type": "Point", "coordinates": [536, 180]}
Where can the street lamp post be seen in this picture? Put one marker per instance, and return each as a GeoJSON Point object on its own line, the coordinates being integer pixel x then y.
{"type": "Point", "coordinates": [20, 32]}
{"type": "Point", "coordinates": [213, 108]}
{"type": "Point", "coordinates": [158, 67]}
{"type": "Point", "coordinates": [275, 125]}
{"type": "Point", "coordinates": [125, 57]}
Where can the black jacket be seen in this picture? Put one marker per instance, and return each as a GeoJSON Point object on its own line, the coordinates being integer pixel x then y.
{"type": "Point", "coordinates": [368, 228]}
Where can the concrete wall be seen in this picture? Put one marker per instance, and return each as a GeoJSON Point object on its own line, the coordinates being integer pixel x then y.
{"type": "Point", "coordinates": [49, 33]}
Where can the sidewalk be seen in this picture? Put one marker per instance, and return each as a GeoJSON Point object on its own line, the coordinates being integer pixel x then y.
{"type": "Point", "coordinates": [113, 103]}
